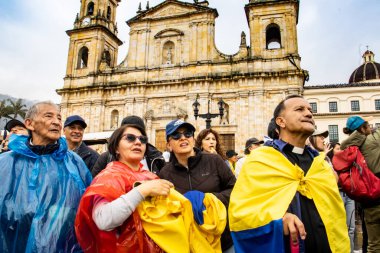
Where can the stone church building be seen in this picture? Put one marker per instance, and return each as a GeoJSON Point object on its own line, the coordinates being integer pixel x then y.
{"type": "Point", "coordinates": [172, 60]}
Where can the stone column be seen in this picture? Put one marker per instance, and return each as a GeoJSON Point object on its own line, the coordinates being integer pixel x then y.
{"type": "Point", "coordinates": [245, 127]}
{"type": "Point", "coordinates": [87, 115]}
{"type": "Point", "coordinates": [193, 42]}
{"type": "Point", "coordinates": [140, 106]}
{"type": "Point", "coordinates": [148, 126]}
{"type": "Point", "coordinates": [128, 106]}
{"type": "Point", "coordinates": [64, 108]}
{"type": "Point", "coordinates": [258, 111]}
{"type": "Point", "coordinates": [98, 116]}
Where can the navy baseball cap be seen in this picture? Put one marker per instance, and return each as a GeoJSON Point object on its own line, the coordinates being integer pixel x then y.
{"type": "Point", "coordinates": [12, 123]}
{"type": "Point", "coordinates": [354, 122]}
{"type": "Point", "coordinates": [172, 126]}
{"type": "Point", "coordinates": [75, 119]}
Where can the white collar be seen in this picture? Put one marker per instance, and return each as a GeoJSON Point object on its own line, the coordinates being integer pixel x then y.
{"type": "Point", "coordinates": [298, 150]}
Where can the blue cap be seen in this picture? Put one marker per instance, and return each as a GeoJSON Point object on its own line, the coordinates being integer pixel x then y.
{"type": "Point", "coordinates": [354, 122]}
{"type": "Point", "coordinates": [75, 119]}
{"type": "Point", "coordinates": [172, 126]}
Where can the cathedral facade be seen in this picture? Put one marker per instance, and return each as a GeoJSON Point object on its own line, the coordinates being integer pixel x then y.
{"type": "Point", "coordinates": [172, 62]}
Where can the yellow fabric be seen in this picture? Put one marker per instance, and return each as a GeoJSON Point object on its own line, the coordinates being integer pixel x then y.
{"type": "Point", "coordinates": [267, 184]}
{"type": "Point", "coordinates": [232, 166]}
{"type": "Point", "coordinates": [169, 222]}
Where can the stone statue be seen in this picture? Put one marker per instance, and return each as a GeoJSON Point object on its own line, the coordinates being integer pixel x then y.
{"type": "Point", "coordinates": [225, 118]}
{"type": "Point", "coordinates": [169, 56]}
{"type": "Point", "coordinates": [243, 39]}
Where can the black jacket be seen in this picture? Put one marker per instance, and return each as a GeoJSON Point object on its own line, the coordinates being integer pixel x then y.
{"type": "Point", "coordinates": [88, 155]}
{"type": "Point", "coordinates": [206, 173]}
{"type": "Point", "coordinates": [153, 157]}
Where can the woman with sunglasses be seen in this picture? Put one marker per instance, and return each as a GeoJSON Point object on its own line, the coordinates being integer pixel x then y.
{"type": "Point", "coordinates": [106, 219]}
{"type": "Point", "coordinates": [190, 169]}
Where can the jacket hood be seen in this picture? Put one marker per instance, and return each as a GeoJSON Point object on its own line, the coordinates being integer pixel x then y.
{"type": "Point", "coordinates": [17, 144]}
{"type": "Point", "coordinates": [355, 139]}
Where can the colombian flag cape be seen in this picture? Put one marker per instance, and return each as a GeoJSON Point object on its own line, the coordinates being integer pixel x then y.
{"type": "Point", "coordinates": [266, 186]}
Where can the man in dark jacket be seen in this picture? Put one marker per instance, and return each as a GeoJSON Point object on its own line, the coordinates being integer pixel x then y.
{"type": "Point", "coordinates": [191, 169]}
{"type": "Point", "coordinates": [153, 160]}
{"type": "Point", "coordinates": [73, 129]}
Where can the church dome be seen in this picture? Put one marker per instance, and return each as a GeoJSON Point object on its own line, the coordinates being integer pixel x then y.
{"type": "Point", "coordinates": [368, 71]}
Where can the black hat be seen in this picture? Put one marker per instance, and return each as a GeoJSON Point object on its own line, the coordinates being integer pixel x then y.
{"type": "Point", "coordinates": [231, 153]}
{"type": "Point", "coordinates": [133, 120]}
{"type": "Point", "coordinates": [12, 123]}
{"type": "Point", "coordinates": [75, 119]}
{"type": "Point", "coordinates": [251, 141]}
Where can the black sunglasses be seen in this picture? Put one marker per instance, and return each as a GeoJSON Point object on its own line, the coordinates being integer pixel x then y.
{"type": "Point", "coordinates": [132, 138]}
{"type": "Point", "coordinates": [177, 135]}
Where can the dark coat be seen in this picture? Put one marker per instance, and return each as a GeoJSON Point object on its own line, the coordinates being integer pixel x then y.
{"type": "Point", "coordinates": [207, 173]}
{"type": "Point", "coordinates": [88, 155]}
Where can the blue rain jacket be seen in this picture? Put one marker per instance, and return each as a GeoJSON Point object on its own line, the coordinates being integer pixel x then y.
{"type": "Point", "coordinates": [39, 197]}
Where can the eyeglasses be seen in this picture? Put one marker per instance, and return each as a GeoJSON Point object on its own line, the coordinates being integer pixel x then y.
{"type": "Point", "coordinates": [177, 135]}
{"type": "Point", "coordinates": [132, 138]}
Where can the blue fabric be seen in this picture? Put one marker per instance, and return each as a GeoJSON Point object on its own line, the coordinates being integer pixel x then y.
{"type": "Point", "coordinates": [354, 122]}
{"type": "Point", "coordinates": [196, 198]}
{"type": "Point", "coordinates": [268, 239]}
{"type": "Point", "coordinates": [39, 197]}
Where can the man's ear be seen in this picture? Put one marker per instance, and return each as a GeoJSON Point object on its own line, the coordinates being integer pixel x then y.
{"type": "Point", "coordinates": [29, 124]}
{"type": "Point", "coordinates": [280, 121]}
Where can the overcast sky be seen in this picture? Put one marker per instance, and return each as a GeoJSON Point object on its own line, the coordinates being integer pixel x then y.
{"type": "Point", "coordinates": [332, 36]}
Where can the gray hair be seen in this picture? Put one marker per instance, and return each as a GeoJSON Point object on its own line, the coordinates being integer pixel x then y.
{"type": "Point", "coordinates": [34, 109]}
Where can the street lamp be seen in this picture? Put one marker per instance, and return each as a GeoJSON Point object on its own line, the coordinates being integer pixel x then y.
{"type": "Point", "coordinates": [208, 116]}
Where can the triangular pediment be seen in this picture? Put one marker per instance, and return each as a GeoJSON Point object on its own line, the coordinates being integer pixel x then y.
{"type": "Point", "coordinates": [170, 8]}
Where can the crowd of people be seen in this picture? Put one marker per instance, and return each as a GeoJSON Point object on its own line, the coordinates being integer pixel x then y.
{"type": "Point", "coordinates": [283, 195]}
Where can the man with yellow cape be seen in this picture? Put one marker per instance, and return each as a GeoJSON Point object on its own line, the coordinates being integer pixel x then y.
{"type": "Point", "coordinates": [286, 198]}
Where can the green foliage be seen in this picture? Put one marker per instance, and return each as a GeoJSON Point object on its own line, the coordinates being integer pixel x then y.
{"type": "Point", "coordinates": [18, 108]}
{"type": "Point", "coordinates": [5, 110]}
{"type": "Point", "coordinates": [11, 109]}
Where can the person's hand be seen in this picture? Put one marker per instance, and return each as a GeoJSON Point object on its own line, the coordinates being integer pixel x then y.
{"type": "Point", "coordinates": [212, 150]}
{"type": "Point", "coordinates": [327, 148]}
{"type": "Point", "coordinates": [293, 226]}
{"type": "Point", "coordinates": [157, 187]}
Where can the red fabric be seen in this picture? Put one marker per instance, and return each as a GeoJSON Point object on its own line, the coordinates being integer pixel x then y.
{"type": "Point", "coordinates": [356, 180]}
{"type": "Point", "coordinates": [114, 181]}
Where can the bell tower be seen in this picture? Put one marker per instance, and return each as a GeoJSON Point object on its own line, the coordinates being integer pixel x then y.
{"type": "Point", "coordinates": [93, 40]}
{"type": "Point", "coordinates": [273, 28]}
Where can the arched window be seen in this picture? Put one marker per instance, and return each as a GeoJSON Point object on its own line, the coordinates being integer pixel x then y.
{"type": "Point", "coordinates": [273, 37]}
{"type": "Point", "coordinates": [82, 58]}
{"type": "Point", "coordinates": [168, 53]}
{"type": "Point", "coordinates": [108, 12]}
{"type": "Point", "coordinates": [90, 8]}
{"type": "Point", "coordinates": [107, 57]}
{"type": "Point", "coordinates": [114, 119]}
